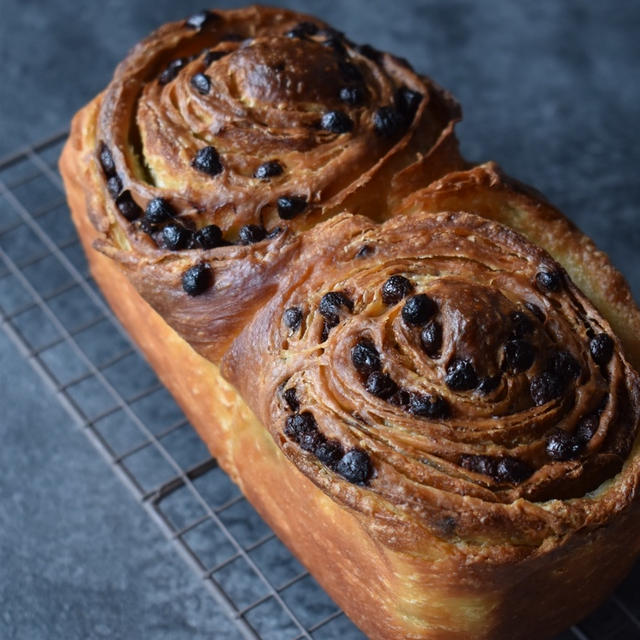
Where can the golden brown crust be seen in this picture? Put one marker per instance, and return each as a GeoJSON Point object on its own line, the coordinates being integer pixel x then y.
{"type": "Point", "coordinates": [452, 501]}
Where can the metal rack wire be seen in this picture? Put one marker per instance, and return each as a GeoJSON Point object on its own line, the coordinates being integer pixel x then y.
{"type": "Point", "coordinates": [52, 309]}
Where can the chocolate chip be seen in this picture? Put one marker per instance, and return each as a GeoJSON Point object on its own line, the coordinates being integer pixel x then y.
{"type": "Point", "coordinates": [418, 310]}
{"type": "Point", "coordinates": [350, 71]}
{"type": "Point", "coordinates": [167, 76]}
{"type": "Point", "coordinates": [198, 20]}
{"type": "Point", "coordinates": [355, 466]}
{"type": "Point", "coordinates": [175, 237]}
{"type": "Point", "coordinates": [307, 27]}
{"type": "Point", "coordinates": [178, 63]}
{"type": "Point", "coordinates": [479, 464]}
{"type": "Point", "coordinates": [521, 323]}
{"type": "Point", "coordinates": [387, 121]}
{"type": "Point", "coordinates": [545, 387]}
{"type": "Point", "coordinates": [512, 470]}
{"type": "Point", "coordinates": [159, 210]}
{"type": "Point", "coordinates": [302, 29]}
{"type": "Point", "coordinates": [207, 160]}
{"type": "Point", "coordinates": [291, 398]}
{"type": "Point", "coordinates": [431, 339]}
{"type": "Point", "coordinates": [601, 347]}
{"type": "Point", "coordinates": [365, 357]}
{"type": "Point", "coordinates": [446, 525]}
{"type": "Point", "coordinates": [563, 446]}
{"type": "Point", "coordinates": [292, 318]}
{"type": "Point", "coordinates": [290, 206]}
{"type": "Point", "coordinates": [428, 406]}
{"type": "Point", "coordinates": [380, 385]}
{"type": "Point", "coordinates": [329, 452]}
{"type": "Point", "coordinates": [401, 398]}
{"type": "Point", "coordinates": [197, 279]}
{"type": "Point", "coordinates": [505, 469]}
{"type": "Point", "coordinates": [336, 122]}
{"type": "Point", "coordinates": [461, 375]}
{"type": "Point", "coordinates": [369, 52]}
{"type": "Point", "coordinates": [564, 365]}
{"type": "Point", "coordinates": [251, 233]}
{"type": "Point", "coordinates": [268, 170]}
{"type": "Point", "coordinates": [208, 237]}
{"type": "Point", "coordinates": [330, 305]}
{"type": "Point", "coordinates": [519, 355]}
{"type": "Point", "coordinates": [488, 384]}
{"type": "Point", "coordinates": [311, 440]}
{"type": "Point", "coordinates": [201, 83]}
{"type": "Point", "coordinates": [395, 289]}
{"type": "Point", "coordinates": [276, 231]}
{"type": "Point", "coordinates": [114, 186]}
{"type": "Point", "coordinates": [407, 102]}
{"type": "Point", "coordinates": [549, 280]}
{"type": "Point", "coordinates": [299, 424]}
{"type": "Point", "coordinates": [536, 310]}
{"type": "Point", "coordinates": [127, 206]}
{"type": "Point", "coordinates": [364, 251]}
{"type": "Point", "coordinates": [587, 427]}
{"type": "Point", "coordinates": [106, 160]}
{"type": "Point", "coordinates": [172, 70]}
{"type": "Point", "coordinates": [351, 95]}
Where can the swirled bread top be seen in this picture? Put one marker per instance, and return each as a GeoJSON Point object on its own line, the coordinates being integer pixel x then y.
{"type": "Point", "coordinates": [268, 186]}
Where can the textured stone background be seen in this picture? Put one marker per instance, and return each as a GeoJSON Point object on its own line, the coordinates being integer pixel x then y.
{"type": "Point", "coordinates": [550, 90]}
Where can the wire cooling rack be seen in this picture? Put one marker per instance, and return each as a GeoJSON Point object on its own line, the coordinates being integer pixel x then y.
{"type": "Point", "coordinates": [53, 310]}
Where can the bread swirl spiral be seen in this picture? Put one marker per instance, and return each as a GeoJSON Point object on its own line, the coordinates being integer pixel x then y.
{"type": "Point", "coordinates": [513, 408]}
{"type": "Point", "coordinates": [265, 98]}
{"type": "Point", "coordinates": [244, 124]}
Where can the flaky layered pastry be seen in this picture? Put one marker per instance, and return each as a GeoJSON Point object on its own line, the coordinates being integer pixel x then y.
{"type": "Point", "coordinates": [419, 372]}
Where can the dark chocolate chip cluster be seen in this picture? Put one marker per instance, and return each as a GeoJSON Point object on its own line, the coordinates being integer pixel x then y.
{"type": "Point", "coordinates": [513, 365]}
{"type": "Point", "coordinates": [162, 223]}
{"type": "Point", "coordinates": [416, 312]}
{"type": "Point", "coordinates": [368, 364]}
{"type": "Point", "coordinates": [502, 469]}
{"type": "Point", "coordinates": [353, 465]}
{"type": "Point", "coordinates": [556, 372]}
{"type": "Point", "coordinates": [123, 199]}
